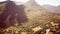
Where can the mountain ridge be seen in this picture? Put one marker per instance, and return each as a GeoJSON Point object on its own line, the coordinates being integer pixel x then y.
{"type": "Point", "coordinates": [54, 9]}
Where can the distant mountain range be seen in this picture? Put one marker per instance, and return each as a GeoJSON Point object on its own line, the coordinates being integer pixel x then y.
{"type": "Point", "coordinates": [55, 9]}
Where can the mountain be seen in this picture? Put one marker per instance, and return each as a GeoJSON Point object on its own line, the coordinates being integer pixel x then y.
{"type": "Point", "coordinates": [55, 9]}
{"type": "Point", "coordinates": [12, 13]}
{"type": "Point", "coordinates": [33, 9]}
{"type": "Point", "coordinates": [29, 13]}
{"type": "Point", "coordinates": [37, 14]}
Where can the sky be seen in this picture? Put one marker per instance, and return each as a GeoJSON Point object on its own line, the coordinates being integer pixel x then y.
{"type": "Point", "coordinates": [40, 2]}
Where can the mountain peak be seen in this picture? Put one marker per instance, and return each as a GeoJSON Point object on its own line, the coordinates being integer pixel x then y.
{"type": "Point", "coordinates": [32, 2]}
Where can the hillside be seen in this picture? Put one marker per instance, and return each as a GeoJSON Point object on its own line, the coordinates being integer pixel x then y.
{"type": "Point", "coordinates": [12, 13]}
{"type": "Point", "coordinates": [37, 12]}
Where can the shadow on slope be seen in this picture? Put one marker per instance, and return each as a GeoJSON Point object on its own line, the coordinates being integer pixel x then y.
{"type": "Point", "coordinates": [11, 13]}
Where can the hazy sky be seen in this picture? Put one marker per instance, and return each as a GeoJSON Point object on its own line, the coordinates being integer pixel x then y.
{"type": "Point", "coordinates": [41, 2]}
